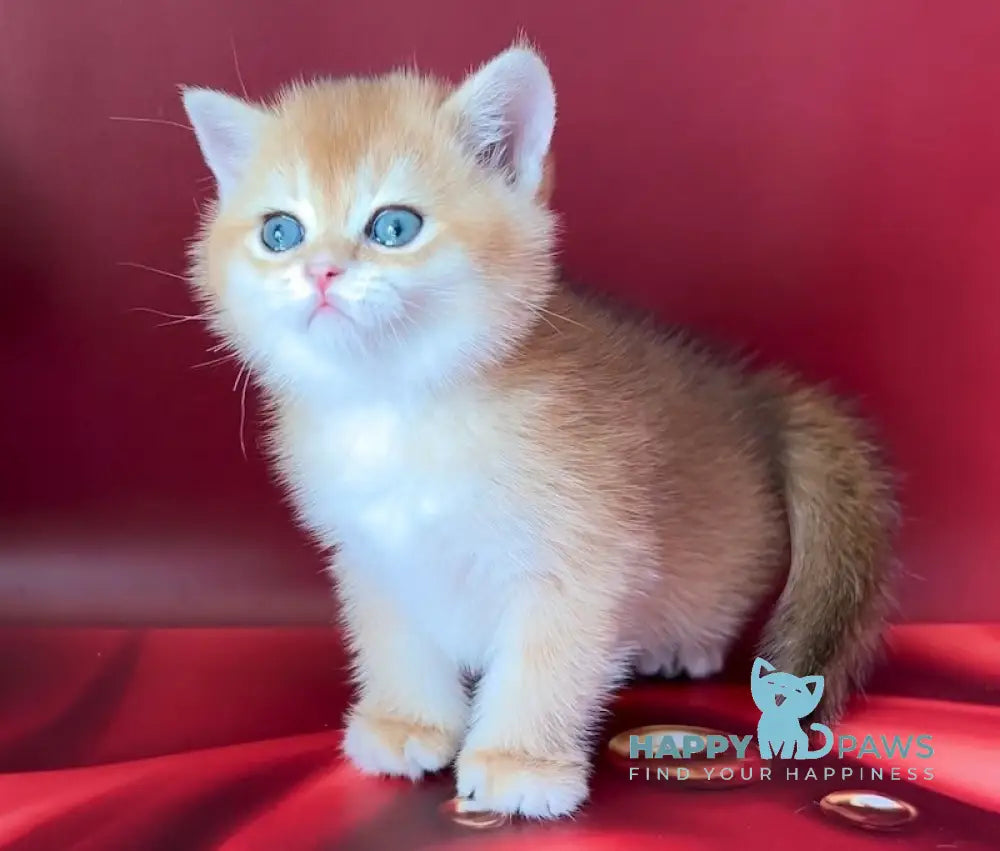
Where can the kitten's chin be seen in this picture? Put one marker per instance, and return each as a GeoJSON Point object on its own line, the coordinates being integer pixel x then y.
{"type": "Point", "coordinates": [327, 351]}
{"type": "Point", "coordinates": [336, 350]}
{"type": "Point", "coordinates": [325, 311]}
{"type": "Point", "coordinates": [326, 321]}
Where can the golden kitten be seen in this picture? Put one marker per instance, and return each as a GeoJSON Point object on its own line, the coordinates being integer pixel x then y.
{"type": "Point", "coordinates": [517, 484]}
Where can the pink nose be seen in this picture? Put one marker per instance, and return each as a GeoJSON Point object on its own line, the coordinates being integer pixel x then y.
{"type": "Point", "coordinates": [323, 274]}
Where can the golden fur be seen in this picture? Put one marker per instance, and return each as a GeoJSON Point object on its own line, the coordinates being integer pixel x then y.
{"type": "Point", "coordinates": [520, 484]}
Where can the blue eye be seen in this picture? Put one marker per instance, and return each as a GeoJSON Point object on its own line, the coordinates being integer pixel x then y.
{"type": "Point", "coordinates": [392, 227]}
{"type": "Point", "coordinates": [281, 232]}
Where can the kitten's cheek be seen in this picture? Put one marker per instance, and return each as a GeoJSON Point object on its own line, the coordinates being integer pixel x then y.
{"type": "Point", "coordinates": [298, 287]}
{"type": "Point", "coordinates": [350, 293]}
{"type": "Point", "coordinates": [414, 301]}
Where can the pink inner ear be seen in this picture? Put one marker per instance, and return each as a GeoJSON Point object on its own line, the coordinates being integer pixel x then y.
{"type": "Point", "coordinates": [227, 129]}
{"type": "Point", "coordinates": [509, 108]}
{"type": "Point", "coordinates": [530, 111]}
{"type": "Point", "coordinates": [228, 149]}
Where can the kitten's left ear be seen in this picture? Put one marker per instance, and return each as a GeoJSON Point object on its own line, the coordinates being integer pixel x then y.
{"type": "Point", "coordinates": [228, 130]}
{"type": "Point", "coordinates": [507, 112]}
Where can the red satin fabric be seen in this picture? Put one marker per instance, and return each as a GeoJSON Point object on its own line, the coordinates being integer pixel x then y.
{"type": "Point", "coordinates": [228, 738]}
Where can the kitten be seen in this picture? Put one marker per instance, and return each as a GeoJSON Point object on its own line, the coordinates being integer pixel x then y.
{"type": "Point", "coordinates": [517, 485]}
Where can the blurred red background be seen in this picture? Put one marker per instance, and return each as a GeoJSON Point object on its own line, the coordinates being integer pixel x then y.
{"type": "Point", "coordinates": [818, 183]}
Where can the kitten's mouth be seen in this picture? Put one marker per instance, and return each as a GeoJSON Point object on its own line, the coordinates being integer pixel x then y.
{"type": "Point", "coordinates": [325, 308]}
{"type": "Point", "coordinates": [779, 699]}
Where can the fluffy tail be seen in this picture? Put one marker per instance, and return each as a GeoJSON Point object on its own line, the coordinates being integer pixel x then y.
{"type": "Point", "coordinates": [842, 518]}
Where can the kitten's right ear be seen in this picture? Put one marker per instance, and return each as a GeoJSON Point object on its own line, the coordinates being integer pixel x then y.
{"type": "Point", "coordinates": [507, 112]}
{"type": "Point", "coordinates": [227, 130]}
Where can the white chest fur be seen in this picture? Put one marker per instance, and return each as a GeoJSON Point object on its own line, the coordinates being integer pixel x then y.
{"type": "Point", "coordinates": [418, 497]}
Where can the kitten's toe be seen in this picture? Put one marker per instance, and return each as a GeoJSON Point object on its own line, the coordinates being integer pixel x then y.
{"type": "Point", "coordinates": [510, 782]}
{"type": "Point", "coordinates": [662, 663]}
{"type": "Point", "coordinates": [701, 662]}
{"type": "Point", "coordinates": [381, 744]}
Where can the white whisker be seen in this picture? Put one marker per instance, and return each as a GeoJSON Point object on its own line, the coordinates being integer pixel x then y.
{"type": "Point", "coordinates": [563, 318]}
{"type": "Point", "coordinates": [146, 268]}
{"type": "Point", "coordinates": [176, 318]}
{"type": "Point", "coordinates": [392, 328]}
{"type": "Point", "coordinates": [151, 121]}
{"type": "Point", "coordinates": [546, 320]}
{"type": "Point", "coordinates": [214, 361]}
{"type": "Point", "coordinates": [539, 309]}
{"type": "Point", "coordinates": [244, 373]}
{"type": "Point", "coordinates": [236, 63]}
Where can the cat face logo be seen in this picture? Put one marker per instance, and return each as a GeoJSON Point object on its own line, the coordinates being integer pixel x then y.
{"type": "Point", "coordinates": [783, 699]}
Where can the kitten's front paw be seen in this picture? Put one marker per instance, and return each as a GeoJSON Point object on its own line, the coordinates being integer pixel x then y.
{"type": "Point", "coordinates": [510, 782]}
{"type": "Point", "coordinates": [381, 744]}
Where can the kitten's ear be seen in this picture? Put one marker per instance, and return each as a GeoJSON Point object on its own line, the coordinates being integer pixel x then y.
{"type": "Point", "coordinates": [507, 111]}
{"type": "Point", "coordinates": [227, 130]}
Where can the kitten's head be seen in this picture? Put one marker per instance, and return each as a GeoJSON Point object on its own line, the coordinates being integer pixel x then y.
{"type": "Point", "coordinates": [393, 228]}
